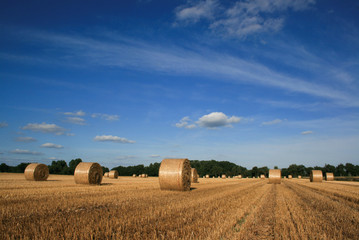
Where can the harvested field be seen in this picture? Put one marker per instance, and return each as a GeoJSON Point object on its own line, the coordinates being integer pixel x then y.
{"type": "Point", "coordinates": [136, 208]}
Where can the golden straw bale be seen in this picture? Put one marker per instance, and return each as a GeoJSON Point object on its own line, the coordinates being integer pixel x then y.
{"type": "Point", "coordinates": [175, 174]}
{"type": "Point", "coordinates": [239, 176]}
{"type": "Point", "coordinates": [207, 175]}
{"type": "Point", "coordinates": [219, 176]}
{"type": "Point", "coordinates": [223, 176]}
{"type": "Point", "coordinates": [263, 176]}
{"type": "Point", "coordinates": [290, 176]}
{"type": "Point", "coordinates": [36, 172]}
{"type": "Point", "coordinates": [194, 175]}
{"type": "Point", "coordinates": [275, 176]}
{"type": "Point", "coordinates": [329, 176]}
{"type": "Point", "coordinates": [106, 174]}
{"type": "Point", "coordinates": [134, 175]}
{"type": "Point", "coordinates": [316, 176]}
{"type": "Point", "coordinates": [88, 173]}
{"type": "Point", "coordinates": [299, 177]}
{"type": "Point", "coordinates": [113, 174]}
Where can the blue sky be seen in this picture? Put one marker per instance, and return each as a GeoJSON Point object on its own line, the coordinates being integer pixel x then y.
{"type": "Point", "coordinates": [257, 83]}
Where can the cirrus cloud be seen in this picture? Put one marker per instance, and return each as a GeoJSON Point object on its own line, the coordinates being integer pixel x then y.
{"type": "Point", "coordinates": [78, 113]}
{"type": "Point", "coordinates": [306, 132]}
{"type": "Point", "coordinates": [110, 138]}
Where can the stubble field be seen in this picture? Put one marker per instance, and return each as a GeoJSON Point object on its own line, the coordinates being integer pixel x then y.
{"type": "Point", "coordinates": [135, 208]}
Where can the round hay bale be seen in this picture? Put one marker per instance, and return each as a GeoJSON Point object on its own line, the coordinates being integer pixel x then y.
{"type": "Point", "coordinates": [329, 176]}
{"type": "Point", "coordinates": [194, 175]}
{"type": "Point", "coordinates": [275, 176]}
{"type": "Point", "coordinates": [316, 176]}
{"type": "Point", "coordinates": [175, 174]}
{"type": "Point", "coordinates": [134, 175]}
{"type": "Point", "coordinates": [290, 176]}
{"type": "Point", "coordinates": [36, 172]}
{"type": "Point", "coordinates": [106, 174]}
{"type": "Point", "coordinates": [263, 176]}
{"type": "Point", "coordinates": [219, 177]}
{"type": "Point", "coordinates": [299, 177]}
{"type": "Point", "coordinates": [88, 173]}
{"type": "Point", "coordinates": [240, 176]}
{"type": "Point", "coordinates": [207, 175]}
{"type": "Point", "coordinates": [223, 176]}
{"type": "Point", "coordinates": [113, 174]}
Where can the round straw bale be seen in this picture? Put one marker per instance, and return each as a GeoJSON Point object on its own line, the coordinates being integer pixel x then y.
{"type": "Point", "coordinates": [299, 176]}
{"type": "Point", "coordinates": [88, 173]}
{"type": "Point", "coordinates": [219, 176]}
{"type": "Point", "coordinates": [106, 174]}
{"type": "Point", "coordinates": [223, 176]}
{"type": "Point", "coordinates": [175, 174]}
{"type": "Point", "coordinates": [194, 175]}
{"type": "Point", "coordinates": [239, 176]}
{"type": "Point", "coordinates": [134, 175]}
{"type": "Point", "coordinates": [290, 176]}
{"type": "Point", "coordinates": [316, 176]}
{"type": "Point", "coordinates": [329, 176]}
{"type": "Point", "coordinates": [263, 176]}
{"type": "Point", "coordinates": [275, 176]}
{"type": "Point", "coordinates": [113, 174]}
{"type": "Point", "coordinates": [36, 172]}
{"type": "Point", "coordinates": [207, 175]}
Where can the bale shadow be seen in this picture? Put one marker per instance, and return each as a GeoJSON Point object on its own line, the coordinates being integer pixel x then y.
{"type": "Point", "coordinates": [104, 184]}
{"type": "Point", "coordinates": [192, 188]}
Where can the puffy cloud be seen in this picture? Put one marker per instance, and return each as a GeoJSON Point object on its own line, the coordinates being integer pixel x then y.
{"type": "Point", "coordinates": [3, 124]}
{"type": "Point", "coordinates": [51, 145]}
{"type": "Point", "coordinates": [22, 151]}
{"type": "Point", "coordinates": [154, 156]}
{"type": "Point", "coordinates": [217, 119]}
{"type": "Point", "coordinates": [275, 121]}
{"type": "Point", "coordinates": [25, 139]}
{"type": "Point", "coordinates": [76, 120]}
{"type": "Point", "coordinates": [45, 128]}
{"type": "Point", "coordinates": [306, 132]}
{"type": "Point", "coordinates": [107, 117]}
{"type": "Point", "coordinates": [194, 12]}
{"type": "Point", "coordinates": [184, 123]}
{"type": "Point", "coordinates": [78, 113]}
{"type": "Point", "coordinates": [110, 138]}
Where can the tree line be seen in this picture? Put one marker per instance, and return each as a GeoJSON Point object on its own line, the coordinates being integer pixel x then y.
{"type": "Point", "coordinates": [212, 167]}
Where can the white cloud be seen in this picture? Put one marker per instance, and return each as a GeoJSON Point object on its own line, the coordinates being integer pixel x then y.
{"type": "Point", "coordinates": [22, 151]}
{"type": "Point", "coordinates": [53, 158]}
{"type": "Point", "coordinates": [76, 120]}
{"type": "Point", "coordinates": [25, 139]}
{"type": "Point", "coordinates": [184, 123]}
{"type": "Point", "coordinates": [78, 113]}
{"type": "Point", "coordinates": [45, 128]}
{"type": "Point", "coordinates": [3, 124]}
{"type": "Point", "coordinates": [107, 117]}
{"type": "Point", "coordinates": [117, 51]}
{"type": "Point", "coordinates": [217, 119]}
{"type": "Point", "coordinates": [194, 12]}
{"type": "Point", "coordinates": [110, 138]}
{"type": "Point", "coordinates": [275, 121]}
{"type": "Point", "coordinates": [306, 132]}
{"type": "Point", "coordinates": [155, 156]}
{"type": "Point", "coordinates": [51, 145]}
{"type": "Point", "coordinates": [243, 18]}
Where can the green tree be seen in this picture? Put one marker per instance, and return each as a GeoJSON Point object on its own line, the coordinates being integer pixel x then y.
{"type": "Point", "coordinates": [73, 164]}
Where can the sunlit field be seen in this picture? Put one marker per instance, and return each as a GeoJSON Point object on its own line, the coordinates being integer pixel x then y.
{"type": "Point", "coordinates": [135, 208]}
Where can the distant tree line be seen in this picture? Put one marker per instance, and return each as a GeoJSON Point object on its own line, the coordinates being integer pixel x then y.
{"type": "Point", "coordinates": [56, 167]}
{"type": "Point", "coordinates": [213, 168]}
